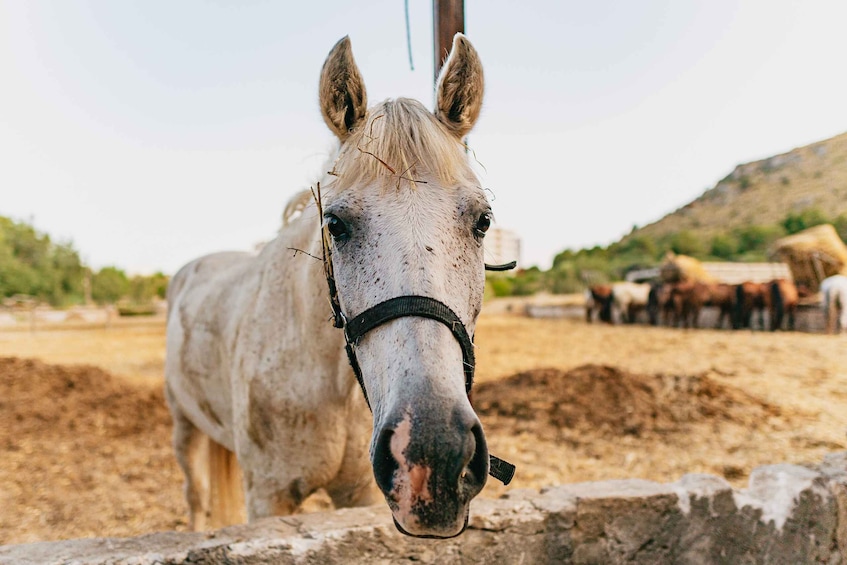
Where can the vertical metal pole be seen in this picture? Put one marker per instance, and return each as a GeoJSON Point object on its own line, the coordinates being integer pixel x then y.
{"type": "Point", "coordinates": [448, 19]}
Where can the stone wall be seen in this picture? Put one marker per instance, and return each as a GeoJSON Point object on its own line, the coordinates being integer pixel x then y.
{"type": "Point", "coordinates": [788, 514]}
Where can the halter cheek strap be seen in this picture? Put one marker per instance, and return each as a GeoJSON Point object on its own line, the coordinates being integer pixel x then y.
{"type": "Point", "coordinates": [401, 307]}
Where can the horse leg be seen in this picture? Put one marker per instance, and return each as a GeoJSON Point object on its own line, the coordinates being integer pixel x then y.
{"type": "Point", "coordinates": [212, 477]}
{"type": "Point", "coordinates": [829, 313]}
{"type": "Point", "coordinates": [354, 484]}
{"type": "Point", "coordinates": [687, 316]}
{"type": "Point", "coordinates": [726, 314]}
{"type": "Point", "coordinates": [190, 449]}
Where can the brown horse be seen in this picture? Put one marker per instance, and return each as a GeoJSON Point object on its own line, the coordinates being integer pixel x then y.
{"type": "Point", "coordinates": [783, 300]}
{"type": "Point", "coordinates": [750, 297]}
{"type": "Point", "coordinates": [688, 299]}
{"type": "Point", "coordinates": [659, 305]}
{"type": "Point", "coordinates": [599, 297]}
{"type": "Point", "coordinates": [722, 296]}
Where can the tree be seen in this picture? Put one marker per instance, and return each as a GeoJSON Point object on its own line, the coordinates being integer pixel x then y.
{"type": "Point", "coordinates": [723, 246]}
{"type": "Point", "coordinates": [32, 264]}
{"type": "Point", "coordinates": [686, 242]}
{"type": "Point", "coordinates": [109, 285]}
{"type": "Point", "coordinates": [756, 239]}
{"type": "Point", "coordinates": [807, 218]}
{"type": "Point", "coordinates": [143, 289]}
{"type": "Point", "coordinates": [840, 225]}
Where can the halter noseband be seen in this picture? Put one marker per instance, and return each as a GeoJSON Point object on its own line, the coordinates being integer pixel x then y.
{"type": "Point", "coordinates": [401, 307]}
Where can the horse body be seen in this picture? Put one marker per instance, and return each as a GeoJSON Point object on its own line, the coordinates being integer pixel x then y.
{"type": "Point", "coordinates": [722, 296]}
{"type": "Point", "coordinates": [247, 380]}
{"type": "Point", "coordinates": [688, 298]}
{"type": "Point", "coordinates": [784, 298]}
{"type": "Point", "coordinates": [255, 369]}
{"type": "Point", "coordinates": [629, 299]}
{"type": "Point", "coordinates": [751, 297]}
{"type": "Point", "coordinates": [598, 298]}
{"type": "Point", "coordinates": [834, 290]}
{"type": "Point", "coordinates": [660, 307]}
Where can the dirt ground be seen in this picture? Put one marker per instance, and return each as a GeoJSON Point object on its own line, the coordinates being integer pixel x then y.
{"type": "Point", "coordinates": [85, 434]}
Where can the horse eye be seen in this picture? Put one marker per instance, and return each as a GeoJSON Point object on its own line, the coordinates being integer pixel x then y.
{"type": "Point", "coordinates": [482, 224]}
{"type": "Point", "coordinates": [337, 228]}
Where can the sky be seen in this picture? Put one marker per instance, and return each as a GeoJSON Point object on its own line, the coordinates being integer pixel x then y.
{"type": "Point", "coordinates": [147, 133]}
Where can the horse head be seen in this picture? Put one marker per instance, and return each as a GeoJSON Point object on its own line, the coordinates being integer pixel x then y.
{"type": "Point", "coordinates": [404, 216]}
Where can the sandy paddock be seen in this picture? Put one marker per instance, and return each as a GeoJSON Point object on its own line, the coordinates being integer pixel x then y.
{"type": "Point", "coordinates": [84, 432]}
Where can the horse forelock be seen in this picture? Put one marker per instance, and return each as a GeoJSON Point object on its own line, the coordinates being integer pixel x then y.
{"type": "Point", "coordinates": [402, 143]}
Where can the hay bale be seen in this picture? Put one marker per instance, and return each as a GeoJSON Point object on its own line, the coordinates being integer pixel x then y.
{"type": "Point", "coordinates": [678, 268]}
{"type": "Point", "coordinates": [813, 254]}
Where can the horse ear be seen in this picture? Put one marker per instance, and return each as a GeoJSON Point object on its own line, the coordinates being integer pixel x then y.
{"type": "Point", "coordinates": [343, 99]}
{"type": "Point", "coordinates": [459, 88]}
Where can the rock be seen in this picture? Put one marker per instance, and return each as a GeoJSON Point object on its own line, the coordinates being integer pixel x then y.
{"type": "Point", "coordinates": [788, 514]}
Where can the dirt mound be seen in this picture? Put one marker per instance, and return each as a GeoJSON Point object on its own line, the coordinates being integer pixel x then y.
{"type": "Point", "coordinates": [69, 434]}
{"type": "Point", "coordinates": [602, 399]}
{"type": "Point", "coordinates": [50, 400]}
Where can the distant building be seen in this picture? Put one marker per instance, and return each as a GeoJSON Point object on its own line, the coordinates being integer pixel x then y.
{"type": "Point", "coordinates": [501, 246]}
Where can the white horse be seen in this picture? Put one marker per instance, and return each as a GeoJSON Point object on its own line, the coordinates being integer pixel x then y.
{"type": "Point", "coordinates": [255, 370]}
{"type": "Point", "coordinates": [629, 298]}
{"type": "Point", "coordinates": [834, 290]}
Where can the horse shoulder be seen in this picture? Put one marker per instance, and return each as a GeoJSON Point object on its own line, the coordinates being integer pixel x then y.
{"type": "Point", "coordinates": [289, 360]}
{"type": "Point", "coordinates": [202, 321]}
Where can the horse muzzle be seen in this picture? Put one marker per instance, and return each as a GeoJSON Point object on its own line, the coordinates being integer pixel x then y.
{"type": "Point", "coordinates": [429, 473]}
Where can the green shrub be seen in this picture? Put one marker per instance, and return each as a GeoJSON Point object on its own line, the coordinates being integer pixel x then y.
{"type": "Point", "coordinates": [723, 246]}
{"type": "Point", "coordinates": [802, 220]}
{"type": "Point", "coordinates": [500, 285]}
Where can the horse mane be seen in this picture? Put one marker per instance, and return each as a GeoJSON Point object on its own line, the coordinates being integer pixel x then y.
{"type": "Point", "coordinates": [295, 206]}
{"type": "Point", "coordinates": [401, 139]}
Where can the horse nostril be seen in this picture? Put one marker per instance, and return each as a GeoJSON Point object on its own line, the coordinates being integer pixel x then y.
{"type": "Point", "coordinates": [384, 464]}
{"type": "Point", "coordinates": [476, 471]}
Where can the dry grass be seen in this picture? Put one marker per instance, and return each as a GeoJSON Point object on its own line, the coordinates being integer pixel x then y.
{"type": "Point", "coordinates": [132, 348]}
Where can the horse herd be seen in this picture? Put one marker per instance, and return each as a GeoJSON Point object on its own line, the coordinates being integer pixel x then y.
{"type": "Point", "coordinates": [740, 306]}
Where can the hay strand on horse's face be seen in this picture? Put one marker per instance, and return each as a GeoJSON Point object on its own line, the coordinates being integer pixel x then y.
{"type": "Point", "coordinates": [402, 176]}
{"type": "Point", "coordinates": [325, 243]}
{"type": "Point", "coordinates": [326, 251]}
{"type": "Point", "coordinates": [370, 134]}
{"type": "Point", "coordinates": [478, 162]}
{"type": "Point", "coordinates": [383, 163]}
{"type": "Point", "coordinates": [370, 137]}
{"type": "Point", "coordinates": [296, 251]}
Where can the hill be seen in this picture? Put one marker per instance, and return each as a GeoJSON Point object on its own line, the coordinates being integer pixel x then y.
{"type": "Point", "coordinates": [764, 192]}
{"type": "Point", "coordinates": [739, 219]}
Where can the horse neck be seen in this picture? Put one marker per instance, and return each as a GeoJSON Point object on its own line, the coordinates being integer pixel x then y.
{"type": "Point", "coordinates": [295, 299]}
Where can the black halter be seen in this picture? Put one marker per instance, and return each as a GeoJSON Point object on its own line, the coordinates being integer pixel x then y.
{"type": "Point", "coordinates": [401, 307]}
